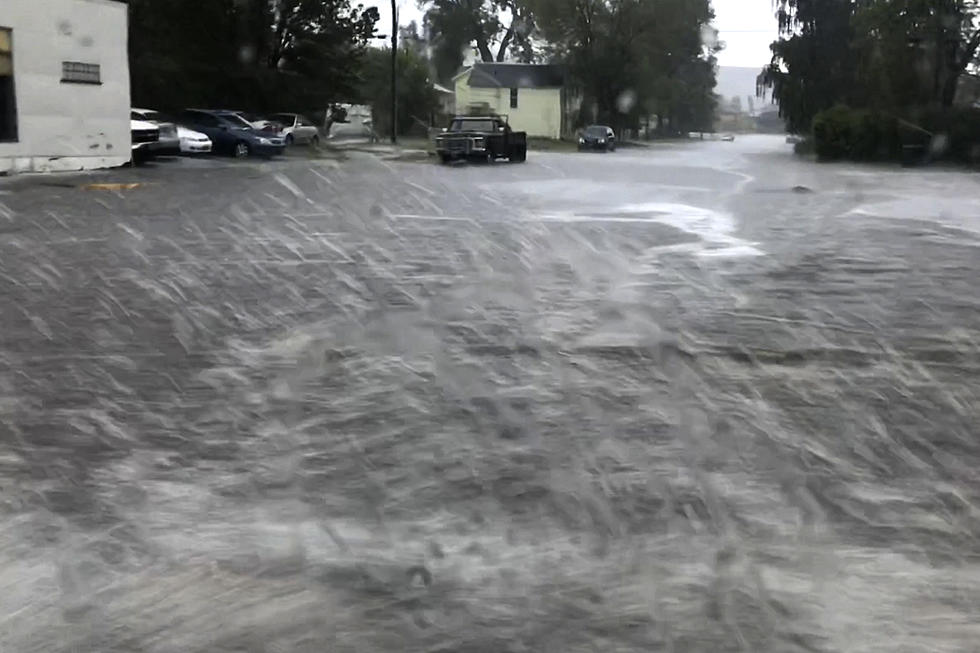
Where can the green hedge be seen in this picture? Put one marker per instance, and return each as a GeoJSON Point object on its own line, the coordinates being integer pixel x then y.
{"type": "Point", "coordinates": [958, 130]}
{"type": "Point", "coordinates": [856, 135]}
{"type": "Point", "coordinates": [843, 133]}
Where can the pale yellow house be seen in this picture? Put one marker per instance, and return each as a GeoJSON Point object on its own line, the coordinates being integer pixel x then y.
{"type": "Point", "coordinates": [529, 94]}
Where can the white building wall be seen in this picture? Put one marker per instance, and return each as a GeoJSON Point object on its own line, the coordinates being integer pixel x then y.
{"type": "Point", "coordinates": [538, 110]}
{"type": "Point", "coordinates": [67, 126]}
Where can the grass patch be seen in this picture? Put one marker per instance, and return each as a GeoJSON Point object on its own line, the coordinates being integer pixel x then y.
{"type": "Point", "coordinates": [551, 145]}
{"type": "Point", "coordinates": [416, 143]}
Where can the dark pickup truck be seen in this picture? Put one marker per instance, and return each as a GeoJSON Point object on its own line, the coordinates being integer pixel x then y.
{"type": "Point", "coordinates": [481, 138]}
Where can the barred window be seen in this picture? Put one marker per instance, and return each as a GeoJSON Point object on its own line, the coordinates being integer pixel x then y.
{"type": "Point", "coordinates": [75, 72]}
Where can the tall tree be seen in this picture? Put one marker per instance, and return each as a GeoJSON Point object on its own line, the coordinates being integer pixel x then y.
{"type": "Point", "coordinates": [944, 32]}
{"type": "Point", "coordinates": [317, 37]}
{"type": "Point", "coordinates": [892, 54]}
{"type": "Point", "coordinates": [417, 100]}
{"type": "Point", "coordinates": [253, 54]}
{"type": "Point", "coordinates": [635, 57]}
{"type": "Point", "coordinates": [814, 62]}
{"type": "Point", "coordinates": [496, 29]}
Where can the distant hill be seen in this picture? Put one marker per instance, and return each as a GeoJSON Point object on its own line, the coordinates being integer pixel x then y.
{"type": "Point", "coordinates": [733, 81]}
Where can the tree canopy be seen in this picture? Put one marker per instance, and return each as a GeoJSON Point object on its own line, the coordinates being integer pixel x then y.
{"type": "Point", "coordinates": [627, 58]}
{"type": "Point", "coordinates": [417, 99]}
{"type": "Point", "coordinates": [497, 29]}
{"type": "Point", "coordinates": [249, 54]}
{"type": "Point", "coordinates": [882, 54]}
{"type": "Point", "coordinates": [635, 58]}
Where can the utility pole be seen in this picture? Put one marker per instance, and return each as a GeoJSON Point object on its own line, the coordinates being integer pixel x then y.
{"type": "Point", "coordinates": [394, 72]}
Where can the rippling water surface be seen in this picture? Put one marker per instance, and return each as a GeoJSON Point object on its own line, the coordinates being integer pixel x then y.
{"type": "Point", "coordinates": [649, 402]}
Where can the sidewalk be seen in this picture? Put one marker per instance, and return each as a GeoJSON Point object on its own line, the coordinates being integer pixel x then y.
{"type": "Point", "coordinates": [72, 179]}
{"type": "Point", "coordinates": [406, 148]}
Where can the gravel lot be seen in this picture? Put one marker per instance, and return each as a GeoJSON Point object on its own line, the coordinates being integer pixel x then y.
{"type": "Point", "coordinates": [704, 397]}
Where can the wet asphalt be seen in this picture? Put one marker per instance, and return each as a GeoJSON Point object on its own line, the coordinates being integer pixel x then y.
{"type": "Point", "coordinates": [692, 397]}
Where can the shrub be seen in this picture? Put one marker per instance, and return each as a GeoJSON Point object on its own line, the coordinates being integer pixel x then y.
{"type": "Point", "coordinates": [864, 136]}
{"type": "Point", "coordinates": [832, 133]}
{"type": "Point", "coordinates": [856, 135]}
{"type": "Point", "coordinates": [956, 132]}
{"type": "Point", "coordinates": [952, 134]}
{"type": "Point", "coordinates": [804, 147]}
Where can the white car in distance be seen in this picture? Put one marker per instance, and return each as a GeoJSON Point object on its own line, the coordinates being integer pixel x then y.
{"type": "Point", "coordinates": [192, 142]}
{"type": "Point", "coordinates": [144, 137]}
{"type": "Point", "coordinates": [297, 129]}
{"type": "Point", "coordinates": [168, 142]}
{"type": "Point", "coordinates": [173, 137]}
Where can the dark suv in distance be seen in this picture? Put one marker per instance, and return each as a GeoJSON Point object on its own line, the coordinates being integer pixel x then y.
{"type": "Point", "coordinates": [598, 138]}
{"type": "Point", "coordinates": [231, 134]}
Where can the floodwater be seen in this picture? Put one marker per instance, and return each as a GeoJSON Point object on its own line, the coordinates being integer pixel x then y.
{"type": "Point", "coordinates": [702, 397]}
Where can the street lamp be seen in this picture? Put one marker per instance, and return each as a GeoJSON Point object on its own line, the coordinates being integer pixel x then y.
{"type": "Point", "coordinates": [394, 70]}
{"type": "Point", "coordinates": [394, 73]}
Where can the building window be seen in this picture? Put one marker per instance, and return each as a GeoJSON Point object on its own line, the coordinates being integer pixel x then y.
{"type": "Point", "coordinates": [73, 72]}
{"type": "Point", "coordinates": [8, 102]}
{"type": "Point", "coordinates": [513, 98]}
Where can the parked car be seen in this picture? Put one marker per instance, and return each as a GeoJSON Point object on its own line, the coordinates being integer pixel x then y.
{"type": "Point", "coordinates": [597, 137]}
{"type": "Point", "coordinates": [169, 141]}
{"type": "Point", "coordinates": [173, 137]}
{"type": "Point", "coordinates": [259, 123]}
{"type": "Point", "coordinates": [144, 136]}
{"type": "Point", "coordinates": [192, 142]}
{"type": "Point", "coordinates": [232, 134]}
{"type": "Point", "coordinates": [481, 138]}
{"type": "Point", "coordinates": [297, 128]}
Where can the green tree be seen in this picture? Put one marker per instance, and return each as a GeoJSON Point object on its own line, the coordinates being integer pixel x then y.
{"type": "Point", "coordinates": [320, 39]}
{"type": "Point", "coordinates": [252, 54]}
{"type": "Point", "coordinates": [410, 38]}
{"type": "Point", "coordinates": [634, 58]}
{"type": "Point", "coordinates": [417, 100]}
{"type": "Point", "coordinates": [814, 64]}
{"type": "Point", "coordinates": [942, 34]}
{"type": "Point", "coordinates": [497, 29]}
{"type": "Point", "coordinates": [883, 54]}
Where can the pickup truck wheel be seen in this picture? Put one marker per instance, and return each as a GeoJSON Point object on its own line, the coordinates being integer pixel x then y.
{"type": "Point", "coordinates": [519, 155]}
{"type": "Point", "coordinates": [443, 157]}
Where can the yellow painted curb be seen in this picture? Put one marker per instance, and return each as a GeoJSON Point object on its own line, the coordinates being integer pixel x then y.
{"type": "Point", "coordinates": [111, 186]}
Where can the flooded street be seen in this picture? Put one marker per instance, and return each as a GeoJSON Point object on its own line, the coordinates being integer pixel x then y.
{"type": "Point", "coordinates": [694, 397]}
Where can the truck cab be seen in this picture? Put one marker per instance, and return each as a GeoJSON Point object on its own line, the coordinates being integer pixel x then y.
{"type": "Point", "coordinates": [481, 137]}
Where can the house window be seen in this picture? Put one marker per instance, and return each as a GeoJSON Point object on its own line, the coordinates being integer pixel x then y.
{"type": "Point", "coordinates": [513, 98]}
{"type": "Point", "coordinates": [8, 103]}
{"type": "Point", "coordinates": [74, 72]}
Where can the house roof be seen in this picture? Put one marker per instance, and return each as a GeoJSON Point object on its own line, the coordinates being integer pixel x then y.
{"type": "Point", "coordinates": [516, 75]}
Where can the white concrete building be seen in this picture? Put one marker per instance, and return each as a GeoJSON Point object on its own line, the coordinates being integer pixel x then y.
{"type": "Point", "coordinates": [64, 85]}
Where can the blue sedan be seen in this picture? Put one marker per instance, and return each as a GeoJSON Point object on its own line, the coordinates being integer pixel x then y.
{"type": "Point", "coordinates": [230, 134]}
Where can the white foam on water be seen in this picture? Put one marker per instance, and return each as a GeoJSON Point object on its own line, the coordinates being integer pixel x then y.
{"type": "Point", "coordinates": [714, 230]}
{"type": "Point", "coordinates": [959, 212]}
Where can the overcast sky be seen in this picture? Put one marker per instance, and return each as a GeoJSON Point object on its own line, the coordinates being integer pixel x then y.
{"type": "Point", "coordinates": [747, 27]}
